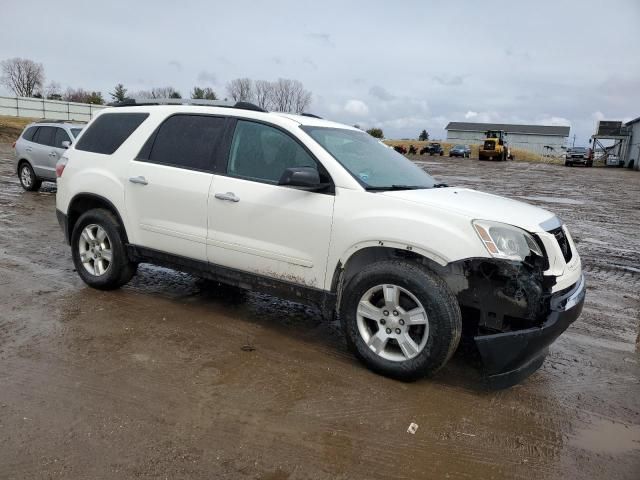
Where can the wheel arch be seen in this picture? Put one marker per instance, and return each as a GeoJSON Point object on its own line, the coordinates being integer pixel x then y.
{"type": "Point", "coordinates": [362, 255]}
{"type": "Point", "coordinates": [20, 162]}
{"type": "Point", "coordinates": [83, 202]}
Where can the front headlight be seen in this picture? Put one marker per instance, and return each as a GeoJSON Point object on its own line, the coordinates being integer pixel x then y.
{"type": "Point", "coordinates": [506, 241]}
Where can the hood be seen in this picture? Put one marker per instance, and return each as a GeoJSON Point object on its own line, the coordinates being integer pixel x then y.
{"type": "Point", "coordinates": [480, 205]}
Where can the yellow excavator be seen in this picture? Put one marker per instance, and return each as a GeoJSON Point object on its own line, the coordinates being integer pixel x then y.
{"type": "Point", "coordinates": [495, 146]}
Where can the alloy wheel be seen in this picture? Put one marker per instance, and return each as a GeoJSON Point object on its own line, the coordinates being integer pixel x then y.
{"type": "Point", "coordinates": [26, 177]}
{"type": "Point", "coordinates": [392, 322]}
{"type": "Point", "coordinates": [95, 250]}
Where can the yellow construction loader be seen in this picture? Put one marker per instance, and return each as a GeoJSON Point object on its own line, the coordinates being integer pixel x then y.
{"type": "Point", "coordinates": [494, 147]}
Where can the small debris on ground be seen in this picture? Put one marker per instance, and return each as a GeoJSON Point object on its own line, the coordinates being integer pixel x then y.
{"type": "Point", "coordinates": [248, 347]}
{"type": "Point", "coordinates": [413, 428]}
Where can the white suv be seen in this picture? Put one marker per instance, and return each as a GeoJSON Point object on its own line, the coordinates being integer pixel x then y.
{"type": "Point", "coordinates": [324, 214]}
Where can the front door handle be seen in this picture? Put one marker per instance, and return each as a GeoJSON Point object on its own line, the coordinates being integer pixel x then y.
{"type": "Point", "coordinates": [28, 149]}
{"type": "Point", "coordinates": [53, 154]}
{"type": "Point", "coordinates": [140, 180]}
{"type": "Point", "coordinates": [229, 197]}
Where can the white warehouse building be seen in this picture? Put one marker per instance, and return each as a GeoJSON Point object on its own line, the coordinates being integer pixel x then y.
{"type": "Point", "coordinates": [542, 139]}
{"type": "Point", "coordinates": [633, 151]}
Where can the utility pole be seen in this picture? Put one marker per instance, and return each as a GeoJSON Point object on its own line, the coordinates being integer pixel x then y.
{"type": "Point", "coordinates": [574, 141]}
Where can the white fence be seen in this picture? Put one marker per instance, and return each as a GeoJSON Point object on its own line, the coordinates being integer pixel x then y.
{"type": "Point", "coordinates": [49, 109]}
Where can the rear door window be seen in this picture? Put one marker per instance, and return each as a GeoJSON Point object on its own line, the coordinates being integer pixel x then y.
{"type": "Point", "coordinates": [61, 136]}
{"type": "Point", "coordinates": [45, 136]}
{"type": "Point", "coordinates": [109, 131]}
{"type": "Point", "coordinates": [186, 141]}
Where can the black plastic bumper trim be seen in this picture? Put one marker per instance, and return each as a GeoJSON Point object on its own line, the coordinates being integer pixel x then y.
{"type": "Point", "coordinates": [512, 356]}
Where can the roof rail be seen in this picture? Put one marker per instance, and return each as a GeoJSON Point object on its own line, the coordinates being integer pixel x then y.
{"type": "Point", "coordinates": [129, 102]}
{"type": "Point", "coordinates": [304, 114]}
{"type": "Point", "coordinates": [44, 120]}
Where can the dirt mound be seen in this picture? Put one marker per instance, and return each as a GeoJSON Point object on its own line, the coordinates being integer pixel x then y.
{"type": "Point", "coordinates": [11, 128]}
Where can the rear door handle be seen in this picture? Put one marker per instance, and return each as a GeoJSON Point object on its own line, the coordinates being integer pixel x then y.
{"type": "Point", "coordinates": [28, 149]}
{"type": "Point", "coordinates": [229, 197]}
{"type": "Point", "coordinates": [140, 180]}
{"type": "Point", "coordinates": [53, 154]}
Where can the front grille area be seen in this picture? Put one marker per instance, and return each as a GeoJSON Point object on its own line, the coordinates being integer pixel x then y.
{"type": "Point", "coordinates": [563, 242]}
{"type": "Point", "coordinates": [489, 145]}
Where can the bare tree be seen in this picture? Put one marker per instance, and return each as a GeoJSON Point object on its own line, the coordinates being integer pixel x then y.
{"type": "Point", "coordinates": [290, 96]}
{"type": "Point", "coordinates": [158, 92]}
{"type": "Point", "coordinates": [240, 89]}
{"type": "Point", "coordinates": [81, 95]}
{"type": "Point", "coordinates": [301, 97]}
{"type": "Point", "coordinates": [263, 93]}
{"type": "Point", "coordinates": [23, 76]}
{"type": "Point", "coordinates": [53, 91]}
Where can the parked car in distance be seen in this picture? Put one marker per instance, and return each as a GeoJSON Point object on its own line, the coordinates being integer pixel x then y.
{"type": "Point", "coordinates": [460, 151]}
{"type": "Point", "coordinates": [324, 214]}
{"type": "Point", "coordinates": [433, 148]}
{"type": "Point", "coordinates": [38, 149]}
{"type": "Point", "coordinates": [578, 156]}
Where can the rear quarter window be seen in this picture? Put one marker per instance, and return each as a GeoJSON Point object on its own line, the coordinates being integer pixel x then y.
{"type": "Point", "coordinates": [109, 131]}
{"type": "Point", "coordinates": [29, 132]}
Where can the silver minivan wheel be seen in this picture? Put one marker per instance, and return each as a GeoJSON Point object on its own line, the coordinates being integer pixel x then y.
{"type": "Point", "coordinates": [95, 250]}
{"type": "Point", "coordinates": [392, 322]}
{"type": "Point", "coordinates": [26, 176]}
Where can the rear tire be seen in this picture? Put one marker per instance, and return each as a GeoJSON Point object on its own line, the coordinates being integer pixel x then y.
{"type": "Point", "coordinates": [99, 252]}
{"type": "Point", "coordinates": [28, 178]}
{"type": "Point", "coordinates": [374, 313]}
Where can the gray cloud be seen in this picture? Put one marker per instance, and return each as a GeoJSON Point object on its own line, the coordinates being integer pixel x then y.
{"type": "Point", "coordinates": [175, 64]}
{"type": "Point", "coordinates": [449, 80]}
{"type": "Point", "coordinates": [321, 38]}
{"type": "Point", "coordinates": [207, 77]}
{"type": "Point", "coordinates": [381, 93]}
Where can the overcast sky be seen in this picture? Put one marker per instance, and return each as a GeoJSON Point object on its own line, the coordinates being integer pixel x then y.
{"type": "Point", "coordinates": [399, 65]}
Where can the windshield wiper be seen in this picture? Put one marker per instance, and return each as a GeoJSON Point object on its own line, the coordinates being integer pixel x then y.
{"type": "Point", "coordinates": [440, 185]}
{"type": "Point", "coordinates": [395, 187]}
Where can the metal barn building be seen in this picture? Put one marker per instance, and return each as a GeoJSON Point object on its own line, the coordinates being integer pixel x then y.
{"type": "Point", "coordinates": [542, 139]}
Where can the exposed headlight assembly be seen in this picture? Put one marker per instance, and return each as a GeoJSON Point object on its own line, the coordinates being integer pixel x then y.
{"type": "Point", "coordinates": [506, 241]}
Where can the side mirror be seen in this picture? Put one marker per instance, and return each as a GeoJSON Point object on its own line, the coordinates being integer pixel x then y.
{"type": "Point", "coordinates": [303, 178]}
{"type": "Point", "coordinates": [66, 144]}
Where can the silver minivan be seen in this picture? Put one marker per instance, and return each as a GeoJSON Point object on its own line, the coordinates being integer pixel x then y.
{"type": "Point", "coordinates": [39, 148]}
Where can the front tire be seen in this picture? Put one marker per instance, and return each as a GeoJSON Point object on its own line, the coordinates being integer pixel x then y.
{"type": "Point", "coordinates": [98, 250]}
{"type": "Point", "coordinates": [28, 178]}
{"type": "Point", "coordinates": [400, 319]}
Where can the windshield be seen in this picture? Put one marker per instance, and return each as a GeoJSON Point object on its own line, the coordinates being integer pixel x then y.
{"type": "Point", "coordinates": [75, 132]}
{"type": "Point", "coordinates": [459, 147]}
{"type": "Point", "coordinates": [578, 149]}
{"type": "Point", "coordinates": [372, 163]}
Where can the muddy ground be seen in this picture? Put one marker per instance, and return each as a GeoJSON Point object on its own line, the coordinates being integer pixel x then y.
{"type": "Point", "coordinates": [152, 381]}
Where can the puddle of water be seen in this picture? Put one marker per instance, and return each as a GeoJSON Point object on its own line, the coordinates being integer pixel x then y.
{"type": "Point", "coordinates": [605, 436]}
{"type": "Point", "coordinates": [566, 201]}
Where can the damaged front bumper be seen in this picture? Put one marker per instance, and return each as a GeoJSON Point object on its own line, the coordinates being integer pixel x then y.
{"type": "Point", "coordinates": [510, 357]}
